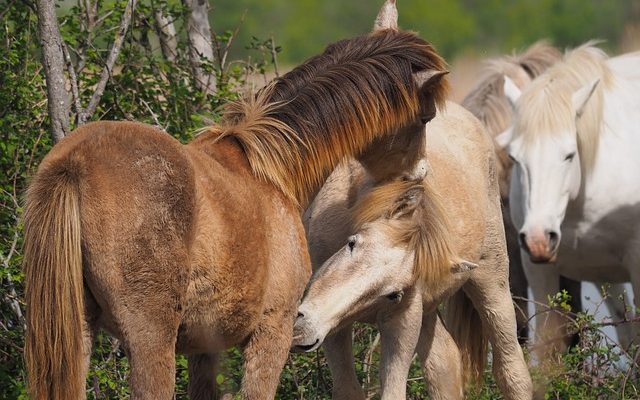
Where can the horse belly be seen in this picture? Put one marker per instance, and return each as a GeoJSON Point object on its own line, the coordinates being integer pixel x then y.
{"type": "Point", "coordinates": [596, 257]}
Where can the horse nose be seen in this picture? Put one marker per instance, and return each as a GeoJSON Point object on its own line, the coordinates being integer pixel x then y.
{"type": "Point", "coordinates": [522, 237]}
{"type": "Point", "coordinates": [554, 239]}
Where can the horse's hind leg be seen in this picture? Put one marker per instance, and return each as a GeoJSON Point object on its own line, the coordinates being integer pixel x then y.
{"type": "Point", "coordinates": [202, 376]}
{"type": "Point", "coordinates": [488, 289]}
{"type": "Point", "coordinates": [440, 359]}
{"type": "Point", "coordinates": [265, 355]}
{"type": "Point", "coordinates": [89, 330]}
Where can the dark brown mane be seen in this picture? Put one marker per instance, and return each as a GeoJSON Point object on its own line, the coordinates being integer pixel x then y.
{"type": "Point", "coordinates": [297, 129]}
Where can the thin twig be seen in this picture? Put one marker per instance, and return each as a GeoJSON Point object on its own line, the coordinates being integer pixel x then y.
{"type": "Point", "coordinates": [108, 68]}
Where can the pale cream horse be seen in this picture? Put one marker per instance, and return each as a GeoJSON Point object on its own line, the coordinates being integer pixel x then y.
{"type": "Point", "coordinates": [575, 190]}
{"type": "Point", "coordinates": [489, 104]}
{"type": "Point", "coordinates": [383, 288]}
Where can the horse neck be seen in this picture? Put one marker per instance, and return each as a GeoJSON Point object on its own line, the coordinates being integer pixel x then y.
{"type": "Point", "coordinates": [396, 156]}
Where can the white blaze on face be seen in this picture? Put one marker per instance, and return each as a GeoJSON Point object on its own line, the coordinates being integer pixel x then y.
{"type": "Point", "coordinates": [367, 269]}
{"type": "Point", "coordinates": [546, 176]}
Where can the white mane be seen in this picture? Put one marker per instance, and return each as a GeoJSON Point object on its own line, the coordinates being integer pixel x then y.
{"type": "Point", "coordinates": [545, 107]}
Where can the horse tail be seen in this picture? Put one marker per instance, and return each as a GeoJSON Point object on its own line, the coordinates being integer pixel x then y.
{"type": "Point", "coordinates": [54, 285]}
{"type": "Point", "coordinates": [464, 324]}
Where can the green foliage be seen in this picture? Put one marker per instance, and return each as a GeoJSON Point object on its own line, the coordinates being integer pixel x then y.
{"type": "Point", "coordinates": [304, 27]}
{"type": "Point", "coordinates": [147, 87]}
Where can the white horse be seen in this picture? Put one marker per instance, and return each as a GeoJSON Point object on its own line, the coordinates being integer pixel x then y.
{"type": "Point", "coordinates": [575, 192]}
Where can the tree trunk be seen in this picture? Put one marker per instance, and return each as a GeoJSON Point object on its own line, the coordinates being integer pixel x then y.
{"type": "Point", "coordinates": [53, 61]}
{"type": "Point", "coordinates": [166, 31]}
{"type": "Point", "coordinates": [200, 44]}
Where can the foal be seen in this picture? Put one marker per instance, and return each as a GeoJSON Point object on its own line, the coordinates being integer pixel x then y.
{"type": "Point", "coordinates": [462, 174]}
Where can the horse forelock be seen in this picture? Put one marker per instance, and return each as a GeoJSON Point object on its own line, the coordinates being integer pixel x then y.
{"type": "Point", "coordinates": [297, 129]}
{"type": "Point", "coordinates": [545, 107]}
{"type": "Point", "coordinates": [425, 231]}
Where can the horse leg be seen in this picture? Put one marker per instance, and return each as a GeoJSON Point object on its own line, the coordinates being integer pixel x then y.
{"type": "Point", "coordinates": [202, 376]}
{"type": "Point", "coordinates": [151, 352]}
{"type": "Point", "coordinates": [619, 306]}
{"type": "Point", "coordinates": [574, 289]}
{"type": "Point", "coordinates": [549, 322]}
{"type": "Point", "coordinates": [339, 353]}
{"type": "Point", "coordinates": [399, 333]}
{"type": "Point", "coordinates": [440, 359]}
{"type": "Point", "coordinates": [265, 355]}
{"type": "Point", "coordinates": [631, 261]}
{"type": "Point", "coordinates": [488, 289]}
{"type": "Point", "coordinates": [517, 278]}
{"type": "Point", "coordinates": [89, 330]}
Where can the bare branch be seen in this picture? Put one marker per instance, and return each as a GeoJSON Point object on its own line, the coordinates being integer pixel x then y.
{"type": "Point", "coordinates": [53, 60]}
{"type": "Point", "coordinates": [166, 31]}
{"type": "Point", "coordinates": [200, 44]}
{"type": "Point", "coordinates": [108, 68]}
{"type": "Point", "coordinates": [73, 80]}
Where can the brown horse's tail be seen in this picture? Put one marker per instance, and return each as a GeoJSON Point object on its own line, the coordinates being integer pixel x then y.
{"type": "Point", "coordinates": [53, 286]}
{"type": "Point", "coordinates": [464, 324]}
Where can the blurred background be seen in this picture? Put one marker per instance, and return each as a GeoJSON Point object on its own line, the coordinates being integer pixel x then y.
{"type": "Point", "coordinates": [464, 31]}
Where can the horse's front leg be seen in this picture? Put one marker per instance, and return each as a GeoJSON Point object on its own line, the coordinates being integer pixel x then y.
{"type": "Point", "coordinates": [631, 261]}
{"type": "Point", "coordinates": [339, 352]}
{"type": "Point", "coordinates": [265, 355]}
{"type": "Point", "coordinates": [399, 333]}
{"type": "Point", "coordinates": [440, 359]}
{"type": "Point", "coordinates": [550, 324]}
{"type": "Point", "coordinates": [488, 289]}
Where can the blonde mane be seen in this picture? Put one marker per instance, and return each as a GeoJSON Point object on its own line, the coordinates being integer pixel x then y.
{"type": "Point", "coordinates": [297, 129]}
{"type": "Point", "coordinates": [487, 101]}
{"type": "Point", "coordinates": [545, 107]}
{"type": "Point", "coordinates": [425, 230]}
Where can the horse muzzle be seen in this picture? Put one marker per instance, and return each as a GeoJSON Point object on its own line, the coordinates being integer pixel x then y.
{"type": "Point", "coordinates": [305, 336]}
{"type": "Point", "coordinates": [542, 247]}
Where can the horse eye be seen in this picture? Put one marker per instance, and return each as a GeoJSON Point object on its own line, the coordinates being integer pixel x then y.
{"type": "Point", "coordinates": [351, 243]}
{"type": "Point", "coordinates": [396, 297]}
{"type": "Point", "coordinates": [570, 156]}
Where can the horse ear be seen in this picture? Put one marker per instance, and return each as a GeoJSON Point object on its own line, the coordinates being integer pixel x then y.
{"type": "Point", "coordinates": [407, 203]}
{"type": "Point", "coordinates": [504, 138]}
{"type": "Point", "coordinates": [425, 80]}
{"type": "Point", "coordinates": [581, 96]}
{"type": "Point", "coordinates": [387, 17]}
{"type": "Point", "coordinates": [463, 266]}
{"type": "Point", "coordinates": [511, 91]}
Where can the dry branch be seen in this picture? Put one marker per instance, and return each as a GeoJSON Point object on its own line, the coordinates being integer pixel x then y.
{"type": "Point", "coordinates": [200, 44]}
{"type": "Point", "coordinates": [53, 61]}
{"type": "Point", "coordinates": [108, 68]}
{"type": "Point", "coordinates": [166, 31]}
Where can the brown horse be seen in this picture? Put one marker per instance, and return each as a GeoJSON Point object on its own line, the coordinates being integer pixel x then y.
{"type": "Point", "coordinates": [200, 247]}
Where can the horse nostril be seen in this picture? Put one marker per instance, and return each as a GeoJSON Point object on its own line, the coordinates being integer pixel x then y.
{"type": "Point", "coordinates": [522, 237]}
{"type": "Point", "coordinates": [554, 238]}
{"type": "Point", "coordinates": [300, 315]}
